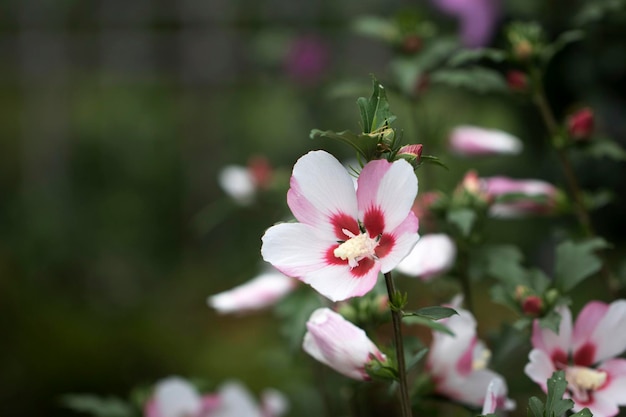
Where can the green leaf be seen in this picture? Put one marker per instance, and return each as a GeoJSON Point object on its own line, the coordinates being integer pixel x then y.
{"type": "Point", "coordinates": [551, 321]}
{"type": "Point", "coordinates": [478, 79]}
{"type": "Point", "coordinates": [583, 413]}
{"type": "Point", "coordinates": [467, 56]}
{"type": "Point", "coordinates": [433, 313]}
{"type": "Point", "coordinates": [96, 406]}
{"type": "Point", "coordinates": [432, 324]}
{"type": "Point", "coordinates": [415, 359]}
{"type": "Point", "coordinates": [365, 145]}
{"type": "Point", "coordinates": [429, 159]}
{"type": "Point", "coordinates": [504, 264]}
{"type": "Point", "coordinates": [561, 42]}
{"type": "Point", "coordinates": [576, 261]}
{"type": "Point", "coordinates": [463, 219]}
{"type": "Point", "coordinates": [294, 311]}
{"type": "Point", "coordinates": [535, 406]}
{"type": "Point", "coordinates": [376, 27]}
{"type": "Point", "coordinates": [606, 148]}
{"type": "Point", "coordinates": [555, 404]}
{"type": "Point", "coordinates": [375, 112]}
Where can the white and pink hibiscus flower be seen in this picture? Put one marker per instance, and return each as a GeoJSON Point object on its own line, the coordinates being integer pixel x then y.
{"type": "Point", "coordinates": [458, 365]}
{"type": "Point", "coordinates": [432, 255]}
{"type": "Point", "coordinates": [516, 198]}
{"type": "Point", "coordinates": [261, 292]}
{"type": "Point", "coordinates": [587, 352]}
{"type": "Point", "coordinates": [344, 237]}
{"type": "Point", "coordinates": [336, 342]}
{"type": "Point", "coordinates": [475, 141]}
{"type": "Point", "coordinates": [176, 397]}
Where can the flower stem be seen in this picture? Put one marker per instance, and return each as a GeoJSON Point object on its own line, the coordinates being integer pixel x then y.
{"type": "Point", "coordinates": [396, 318]}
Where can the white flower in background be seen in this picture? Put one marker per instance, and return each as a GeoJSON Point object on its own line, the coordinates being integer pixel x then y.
{"type": "Point", "coordinates": [238, 183]}
{"type": "Point", "coordinates": [176, 397]}
{"type": "Point", "coordinates": [516, 198]}
{"type": "Point", "coordinates": [473, 141]}
{"type": "Point", "coordinates": [336, 342]}
{"type": "Point", "coordinates": [433, 254]}
{"type": "Point", "coordinates": [260, 292]}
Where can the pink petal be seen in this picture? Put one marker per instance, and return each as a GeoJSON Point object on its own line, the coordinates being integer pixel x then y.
{"type": "Point", "coordinates": [609, 335]}
{"type": "Point", "coordinates": [614, 390]}
{"type": "Point", "coordinates": [473, 140]}
{"type": "Point", "coordinates": [433, 254]}
{"type": "Point", "coordinates": [337, 282]}
{"type": "Point", "coordinates": [320, 189]}
{"type": "Point", "coordinates": [389, 187]}
{"type": "Point", "coordinates": [274, 403]}
{"type": "Point", "coordinates": [599, 407]}
{"type": "Point", "coordinates": [404, 238]}
{"type": "Point", "coordinates": [470, 390]}
{"type": "Point", "coordinates": [446, 351]}
{"type": "Point", "coordinates": [260, 292]}
{"type": "Point", "coordinates": [554, 345]}
{"type": "Point", "coordinates": [586, 322]}
{"type": "Point", "coordinates": [540, 367]}
{"type": "Point", "coordinates": [295, 249]}
{"type": "Point", "coordinates": [174, 396]}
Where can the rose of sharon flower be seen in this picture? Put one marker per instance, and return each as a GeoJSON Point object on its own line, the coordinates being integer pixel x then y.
{"type": "Point", "coordinates": [432, 255]}
{"type": "Point", "coordinates": [458, 364]}
{"type": "Point", "coordinates": [586, 352]}
{"type": "Point", "coordinates": [344, 237]}
{"type": "Point", "coordinates": [260, 292]}
{"type": "Point", "coordinates": [473, 141]}
{"type": "Point", "coordinates": [526, 196]}
{"type": "Point", "coordinates": [176, 397]}
{"type": "Point", "coordinates": [336, 342]}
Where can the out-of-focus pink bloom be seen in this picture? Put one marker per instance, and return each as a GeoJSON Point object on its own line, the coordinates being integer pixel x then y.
{"type": "Point", "coordinates": [261, 292]}
{"type": "Point", "coordinates": [336, 342]}
{"type": "Point", "coordinates": [458, 364]}
{"type": "Point", "coordinates": [176, 397]}
{"type": "Point", "coordinates": [477, 18]}
{"type": "Point", "coordinates": [496, 391]}
{"type": "Point", "coordinates": [307, 59]}
{"type": "Point", "coordinates": [474, 141]}
{"type": "Point", "coordinates": [242, 183]}
{"type": "Point", "coordinates": [344, 237]}
{"type": "Point", "coordinates": [586, 352]}
{"type": "Point", "coordinates": [515, 198]}
{"type": "Point", "coordinates": [580, 124]}
{"type": "Point", "coordinates": [432, 255]}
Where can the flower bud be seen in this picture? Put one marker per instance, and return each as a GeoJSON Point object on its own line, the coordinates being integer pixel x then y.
{"type": "Point", "coordinates": [532, 306]}
{"type": "Point", "coordinates": [336, 342]}
{"type": "Point", "coordinates": [517, 81]}
{"type": "Point", "coordinates": [580, 124]}
{"type": "Point", "coordinates": [411, 154]}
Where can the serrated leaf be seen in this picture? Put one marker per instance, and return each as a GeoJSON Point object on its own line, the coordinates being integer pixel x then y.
{"type": "Point", "coordinates": [467, 56]}
{"type": "Point", "coordinates": [97, 406]}
{"type": "Point", "coordinates": [365, 145]}
{"type": "Point", "coordinates": [504, 264]}
{"type": "Point", "coordinates": [463, 219]}
{"type": "Point", "coordinates": [433, 313]}
{"type": "Point", "coordinates": [478, 79]}
{"type": "Point", "coordinates": [583, 413]}
{"type": "Point", "coordinates": [432, 324]}
{"type": "Point", "coordinates": [555, 404]}
{"type": "Point", "coordinates": [576, 261]}
{"type": "Point", "coordinates": [606, 148]}
{"type": "Point", "coordinates": [551, 321]}
{"type": "Point", "coordinates": [375, 112]}
{"type": "Point", "coordinates": [535, 406]}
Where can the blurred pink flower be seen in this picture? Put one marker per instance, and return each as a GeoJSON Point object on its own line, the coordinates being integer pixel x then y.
{"type": "Point", "coordinates": [260, 292]}
{"type": "Point", "coordinates": [241, 183]}
{"type": "Point", "coordinates": [477, 18]}
{"type": "Point", "coordinates": [307, 59]}
{"type": "Point", "coordinates": [336, 342]}
{"type": "Point", "coordinates": [473, 141]}
{"type": "Point", "coordinates": [515, 198]}
{"type": "Point", "coordinates": [496, 391]}
{"type": "Point", "coordinates": [586, 352]}
{"type": "Point", "coordinates": [176, 397]}
{"type": "Point", "coordinates": [344, 238]}
{"type": "Point", "coordinates": [458, 363]}
{"type": "Point", "coordinates": [432, 255]}
{"type": "Point", "coordinates": [580, 124]}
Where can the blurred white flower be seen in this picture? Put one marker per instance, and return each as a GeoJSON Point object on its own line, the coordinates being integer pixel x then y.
{"type": "Point", "coordinates": [473, 140]}
{"type": "Point", "coordinates": [432, 255]}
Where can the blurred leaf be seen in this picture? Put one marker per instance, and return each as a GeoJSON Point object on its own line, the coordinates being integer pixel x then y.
{"type": "Point", "coordinates": [585, 412]}
{"type": "Point", "coordinates": [561, 42]}
{"type": "Point", "coordinates": [551, 321]}
{"type": "Point", "coordinates": [481, 80]}
{"type": "Point", "coordinates": [536, 406]}
{"type": "Point", "coordinates": [597, 199]}
{"type": "Point", "coordinates": [380, 371]}
{"type": "Point", "coordinates": [593, 11]}
{"type": "Point", "coordinates": [606, 148]}
{"type": "Point", "coordinates": [376, 27]}
{"type": "Point", "coordinates": [433, 313]}
{"type": "Point", "coordinates": [415, 359]}
{"type": "Point", "coordinates": [365, 145]}
{"type": "Point", "coordinates": [98, 407]}
{"type": "Point", "coordinates": [429, 159]}
{"type": "Point", "coordinates": [467, 56]}
{"type": "Point", "coordinates": [422, 321]}
{"type": "Point", "coordinates": [294, 311]}
{"type": "Point", "coordinates": [463, 219]}
{"type": "Point", "coordinates": [576, 261]}
{"type": "Point", "coordinates": [375, 112]}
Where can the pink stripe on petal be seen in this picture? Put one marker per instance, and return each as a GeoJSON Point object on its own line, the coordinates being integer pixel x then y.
{"type": "Point", "coordinates": [374, 222]}
{"type": "Point", "coordinates": [550, 342]}
{"type": "Point", "coordinates": [341, 221]}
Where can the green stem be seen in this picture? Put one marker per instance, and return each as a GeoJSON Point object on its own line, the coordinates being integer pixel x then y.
{"type": "Point", "coordinates": [396, 318]}
{"type": "Point", "coordinates": [465, 279]}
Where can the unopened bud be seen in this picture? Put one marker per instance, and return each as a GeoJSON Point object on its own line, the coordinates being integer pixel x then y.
{"type": "Point", "coordinates": [580, 124]}
{"type": "Point", "coordinates": [532, 306]}
{"type": "Point", "coordinates": [517, 81]}
{"type": "Point", "coordinates": [411, 153]}
{"type": "Point", "coordinates": [523, 50]}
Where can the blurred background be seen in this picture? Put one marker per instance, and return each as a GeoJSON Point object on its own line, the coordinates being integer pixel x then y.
{"type": "Point", "coordinates": [116, 118]}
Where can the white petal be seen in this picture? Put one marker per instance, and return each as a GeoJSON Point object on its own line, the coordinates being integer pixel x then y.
{"type": "Point", "coordinates": [610, 333]}
{"type": "Point", "coordinates": [405, 236]}
{"type": "Point", "coordinates": [432, 255]}
{"type": "Point", "coordinates": [446, 350]}
{"type": "Point", "coordinates": [473, 140]}
{"type": "Point", "coordinates": [260, 292]}
{"type": "Point", "coordinates": [337, 283]}
{"type": "Point", "coordinates": [237, 182]}
{"type": "Point", "coordinates": [175, 397]}
{"type": "Point", "coordinates": [540, 367]}
{"type": "Point", "coordinates": [274, 403]}
{"type": "Point", "coordinates": [236, 401]}
{"type": "Point", "coordinates": [548, 341]}
{"type": "Point", "coordinates": [390, 187]}
{"type": "Point", "coordinates": [320, 188]}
